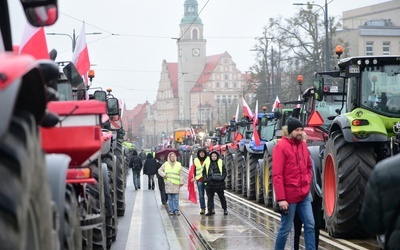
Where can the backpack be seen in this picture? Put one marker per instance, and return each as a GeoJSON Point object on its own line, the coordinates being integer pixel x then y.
{"type": "Point", "coordinates": [137, 163]}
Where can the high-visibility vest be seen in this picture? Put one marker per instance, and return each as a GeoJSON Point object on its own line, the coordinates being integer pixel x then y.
{"type": "Point", "coordinates": [199, 166]}
{"type": "Point", "coordinates": [219, 166]}
{"type": "Point", "coordinates": [173, 174]}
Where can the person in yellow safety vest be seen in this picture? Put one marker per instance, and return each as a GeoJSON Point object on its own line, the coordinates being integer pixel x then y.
{"type": "Point", "coordinates": [198, 165]}
{"type": "Point", "coordinates": [214, 175]}
{"type": "Point", "coordinates": [171, 171]}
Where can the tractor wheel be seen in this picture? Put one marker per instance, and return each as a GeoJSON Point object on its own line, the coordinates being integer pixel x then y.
{"type": "Point", "coordinates": [259, 182]}
{"type": "Point", "coordinates": [251, 169]}
{"type": "Point", "coordinates": [239, 161]}
{"type": "Point", "coordinates": [347, 167]}
{"type": "Point", "coordinates": [111, 223]}
{"type": "Point", "coordinates": [244, 176]}
{"type": "Point", "coordinates": [25, 206]}
{"type": "Point", "coordinates": [229, 166]}
{"type": "Point", "coordinates": [121, 180]}
{"type": "Point", "coordinates": [96, 191]}
{"type": "Point", "coordinates": [267, 182]}
{"type": "Point", "coordinates": [72, 232]}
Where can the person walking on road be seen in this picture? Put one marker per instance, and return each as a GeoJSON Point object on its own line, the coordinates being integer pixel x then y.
{"type": "Point", "coordinates": [214, 175]}
{"type": "Point", "coordinates": [380, 212]}
{"type": "Point", "coordinates": [161, 183]}
{"type": "Point", "coordinates": [198, 165]}
{"type": "Point", "coordinates": [135, 164]}
{"type": "Point", "coordinates": [142, 155]}
{"type": "Point", "coordinates": [292, 176]}
{"type": "Point", "coordinates": [150, 169]}
{"type": "Point", "coordinates": [171, 171]}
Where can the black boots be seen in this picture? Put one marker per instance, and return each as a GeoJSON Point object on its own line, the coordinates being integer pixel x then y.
{"type": "Point", "coordinates": [209, 213]}
{"type": "Point", "coordinates": [225, 211]}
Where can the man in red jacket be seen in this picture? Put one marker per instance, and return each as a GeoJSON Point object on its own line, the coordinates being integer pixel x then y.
{"type": "Point", "coordinates": [292, 176]}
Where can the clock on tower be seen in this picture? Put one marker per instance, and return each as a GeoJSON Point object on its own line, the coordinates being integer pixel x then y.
{"type": "Point", "coordinates": [196, 52]}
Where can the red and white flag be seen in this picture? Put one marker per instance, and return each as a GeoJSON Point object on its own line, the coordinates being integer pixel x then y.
{"type": "Point", "coordinates": [80, 58]}
{"type": "Point", "coordinates": [34, 42]}
{"type": "Point", "coordinates": [276, 103]}
{"type": "Point", "coordinates": [246, 109]}
{"type": "Point", "coordinates": [192, 192]}
{"type": "Point", "coordinates": [256, 136]}
{"type": "Point", "coordinates": [237, 114]}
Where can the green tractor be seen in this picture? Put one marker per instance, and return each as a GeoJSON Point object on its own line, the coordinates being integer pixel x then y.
{"type": "Point", "coordinates": [365, 131]}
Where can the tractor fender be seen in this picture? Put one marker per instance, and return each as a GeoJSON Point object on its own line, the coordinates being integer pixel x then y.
{"type": "Point", "coordinates": [253, 150]}
{"type": "Point", "coordinates": [57, 166]}
{"type": "Point", "coordinates": [270, 146]}
{"type": "Point", "coordinates": [22, 86]}
{"type": "Point", "coordinates": [342, 123]}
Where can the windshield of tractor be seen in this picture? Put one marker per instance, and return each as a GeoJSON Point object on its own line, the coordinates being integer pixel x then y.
{"type": "Point", "coordinates": [266, 128]}
{"type": "Point", "coordinates": [329, 106]}
{"type": "Point", "coordinates": [380, 89]}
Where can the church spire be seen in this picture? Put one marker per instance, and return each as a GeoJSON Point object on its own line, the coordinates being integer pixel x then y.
{"type": "Point", "coordinates": [191, 10]}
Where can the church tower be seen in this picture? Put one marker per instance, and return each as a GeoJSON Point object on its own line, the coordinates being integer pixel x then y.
{"type": "Point", "coordinates": [191, 57]}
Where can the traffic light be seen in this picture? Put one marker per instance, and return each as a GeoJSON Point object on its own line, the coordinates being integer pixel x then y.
{"type": "Point", "coordinates": [163, 134]}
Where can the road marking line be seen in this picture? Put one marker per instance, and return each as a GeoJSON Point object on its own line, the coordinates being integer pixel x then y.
{"type": "Point", "coordinates": [136, 223]}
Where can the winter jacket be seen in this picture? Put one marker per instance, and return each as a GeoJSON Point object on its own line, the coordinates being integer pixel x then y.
{"type": "Point", "coordinates": [291, 170]}
{"type": "Point", "coordinates": [150, 165]}
{"type": "Point", "coordinates": [214, 167]}
{"type": "Point", "coordinates": [133, 160]}
{"type": "Point", "coordinates": [382, 201]}
{"type": "Point", "coordinates": [170, 188]}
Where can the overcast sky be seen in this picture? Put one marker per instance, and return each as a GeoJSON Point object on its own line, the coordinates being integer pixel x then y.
{"type": "Point", "coordinates": [136, 35]}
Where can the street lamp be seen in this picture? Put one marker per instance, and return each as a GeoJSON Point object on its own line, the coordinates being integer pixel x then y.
{"type": "Point", "coordinates": [73, 37]}
{"type": "Point", "coordinates": [325, 10]}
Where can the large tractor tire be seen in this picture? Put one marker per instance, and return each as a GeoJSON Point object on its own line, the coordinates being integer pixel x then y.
{"type": "Point", "coordinates": [267, 182]}
{"type": "Point", "coordinates": [121, 181]}
{"type": "Point", "coordinates": [72, 232]}
{"type": "Point", "coordinates": [110, 222]}
{"type": "Point", "coordinates": [96, 192]}
{"type": "Point", "coordinates": [25, 207]}
{"type": "Point", "coordinates": [259, 182]}
{"type": "Point", "coordinates": [347, 167]}
{"type": "Point", "coordinates": [229, 167]}
{"type": "Point", "coordinates": [251, 168]}
{"type": "Point", "coordinates": [239, 166]}
{"type": "Point", "coordinates": [110, 192]}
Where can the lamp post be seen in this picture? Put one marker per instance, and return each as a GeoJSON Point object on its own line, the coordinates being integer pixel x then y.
{"type": "Point", "coordinates": [74, 38]}
{"type": "Point", "coordinates": [325, 10]}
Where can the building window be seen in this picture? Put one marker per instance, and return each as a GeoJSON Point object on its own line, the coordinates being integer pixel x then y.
{"type": "Point", "coordinates": [217, 84]}
{"type": "Point", "coordinates": [235, 85]}
{"type": "Point", "coordinates": [229, 99]}
{"type": "Point", "coordinates": [226, 77]}
{"type": "Point", "coordinates": [386, 48]}
{"type": "Point", "coordinates": [217, 100]}
{"type": "Point", "coordinates": [195, 34]}
{"type": "Point", "coordinates": [226, 85]}
{"type": "Point", "coordinates": [369, 48]}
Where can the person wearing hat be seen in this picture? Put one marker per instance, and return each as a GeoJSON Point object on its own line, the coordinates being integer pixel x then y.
{"type": "Point", "coordinates": [292, 176]}
{"type": "Point", "coordinates": [214, 174]}
{"type": "Point", "coordinates": [198, 165]}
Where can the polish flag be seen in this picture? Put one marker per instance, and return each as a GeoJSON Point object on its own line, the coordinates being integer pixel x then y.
{"type": "Point", "coordinates": [276, 103]}
{"type": "Point", "coordinates": [256, 136]}
{"type": "Point", "coordinates": [192, 192]}
{"type": "Point", "coordinates": [80, 58]}
{"type": "Point", "coordinates": [246, 109]}
{"type": "Point", "coordinates": [298, 105]}
{"type": "Point", "coordinates": [34, 42]}
{"type": "Point", "coordinates": [237, 113]}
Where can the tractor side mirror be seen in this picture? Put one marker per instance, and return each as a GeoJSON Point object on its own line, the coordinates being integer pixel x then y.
{"type": "Point", "coordinates": [40, 12]}
{"type": "Point", "coordinates": [100, 95]}
{"type": "Point", "coordinates": [112, 106]}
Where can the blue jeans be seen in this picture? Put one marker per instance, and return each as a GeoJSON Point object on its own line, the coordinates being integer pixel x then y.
{"type": "Point", "coordinates": [173, 202]}
{"type": "Point", "coordinates": [201, 188]}
{"type": "Point", "coordinates": [304, 210]}
{"type": "Point", "coordinates": [136, 178]}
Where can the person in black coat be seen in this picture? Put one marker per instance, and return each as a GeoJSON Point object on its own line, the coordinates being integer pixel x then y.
{"type": "Point", "coordinates": [214, 175]}
{"type": "Point", "coordinates": [161, 181]}
{"type": "Point", "coordinates": [150, 169]}
{"type": "Point", "coordinates": [380, 212]}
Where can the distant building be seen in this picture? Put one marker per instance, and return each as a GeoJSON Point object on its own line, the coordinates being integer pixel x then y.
{"type": "Point", "coordinates": [198, 89]}
{"type": "Point", "coordinates": [372, 30]}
